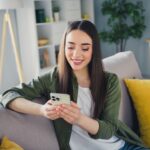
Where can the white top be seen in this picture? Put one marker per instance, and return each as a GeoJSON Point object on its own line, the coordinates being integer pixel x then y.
{"type": "Point", "coordinates": [80, 139]}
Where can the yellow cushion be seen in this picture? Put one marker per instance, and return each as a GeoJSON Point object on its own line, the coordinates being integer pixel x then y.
{"type": "Point", "coordinates": [140, 93]}
{"type": "Point", "coordinates": [6, 144]}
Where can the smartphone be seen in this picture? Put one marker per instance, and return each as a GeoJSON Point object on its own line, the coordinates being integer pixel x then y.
{"type": "Point", "coordinates": [58, 98]}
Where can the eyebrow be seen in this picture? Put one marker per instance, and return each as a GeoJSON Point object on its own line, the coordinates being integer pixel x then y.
{"type": "Point", "coordinates": [81, 43]}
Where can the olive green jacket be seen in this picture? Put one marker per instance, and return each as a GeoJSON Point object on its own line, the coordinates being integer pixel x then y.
{"type": "Point", "coordinates": [109, 124]}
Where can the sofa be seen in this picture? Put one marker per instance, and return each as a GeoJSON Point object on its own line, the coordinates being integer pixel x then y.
{"type": "Point", "coordinates": [37, 133]}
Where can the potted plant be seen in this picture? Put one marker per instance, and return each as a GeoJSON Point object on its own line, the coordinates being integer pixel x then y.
{"type": "Point", "coordinates": [125, 20]}
{"type": "Point", "coordinates": [56, 14]}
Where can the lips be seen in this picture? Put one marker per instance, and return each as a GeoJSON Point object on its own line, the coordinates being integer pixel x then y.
{"type": "Point", "coordinates": [77, 61]}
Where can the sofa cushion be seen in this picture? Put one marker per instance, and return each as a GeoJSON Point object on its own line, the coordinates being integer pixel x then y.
{"type": "Point", "coordinates": [124, 64]}
{"type": "Point", "coordinates": [30, 132]}
{"type": "Point", "coordinates": [140, 93]}
{"type": "Point", "coordinates": [7, 144]}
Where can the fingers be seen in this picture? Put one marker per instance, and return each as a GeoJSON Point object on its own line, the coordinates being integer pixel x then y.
{"type": "Point", "coordinates": [50, 111]}
{"type": "Point", "coordinates": [74, 104]}
{"type": "Point", "coordinates": [49, 102]}
{"type": "Point", "coordinates": [68, 109]}
{"type": "Point", "coordinates": [50, 107]}
{"type": "Point", "coordinates": [72, 108]}
{"type": "Point", "coordinates": [69, 119]}
{"type": "Point", "coordinates": [70, 113]}
{"type": "Point", "coordinates": [52, 114]}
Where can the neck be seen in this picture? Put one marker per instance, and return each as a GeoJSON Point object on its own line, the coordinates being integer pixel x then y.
{"type": "Point", "coordinates": [83, 78]}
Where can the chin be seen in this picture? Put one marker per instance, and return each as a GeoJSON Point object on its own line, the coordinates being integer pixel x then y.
{"type": "Point", "coordinates": [76, 68]}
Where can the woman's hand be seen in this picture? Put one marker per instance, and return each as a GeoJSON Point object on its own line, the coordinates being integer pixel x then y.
{"type": "Point", "coordinates": [70, 113]}
{"type": "Point", "coordinates": [50, 111]}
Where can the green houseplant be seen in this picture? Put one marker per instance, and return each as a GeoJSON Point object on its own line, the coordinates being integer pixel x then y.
{"type": "Point", "coordinates": [56, 9]}
{"type": "Point", "coordinates": [125, 20]}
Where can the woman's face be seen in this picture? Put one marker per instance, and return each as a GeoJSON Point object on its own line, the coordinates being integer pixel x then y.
{"type": "Point", "coordinates": [78, 50]}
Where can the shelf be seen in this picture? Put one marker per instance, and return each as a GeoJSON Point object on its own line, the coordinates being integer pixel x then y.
{"type": "Point", "coordinates": [34, 25]}
{"type": "Point", "coordinates": [50, 23]}
{"type": "Point", "coordinates": [59, 22]}
{"type": "Point", "coordinates": [45, 46]}
{"type": "Point", "coordinates": [44, 23]}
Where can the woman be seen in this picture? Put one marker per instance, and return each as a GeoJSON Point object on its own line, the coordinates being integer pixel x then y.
{"type": "Point", "coordinates": [91, 120]}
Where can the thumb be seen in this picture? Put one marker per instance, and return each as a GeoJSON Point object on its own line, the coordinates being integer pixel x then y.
{"type": "Point", "coordinates": [74, 104]}
{"type": "Point", "coordinates": [49, 102]}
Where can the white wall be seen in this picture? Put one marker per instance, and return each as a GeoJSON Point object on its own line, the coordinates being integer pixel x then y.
{"type": "Point", "coordinates": [10, 77]}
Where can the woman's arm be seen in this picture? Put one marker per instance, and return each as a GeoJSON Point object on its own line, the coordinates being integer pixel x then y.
{"type": "Point", "coordinates": [28, 107]}
{"type": "Point", "coordinates": [71, 113]}
{"type": "Point", "coordinates": [40, 87]}
{"type": "Point", "coordinates": [25, 106]}
{"type": "Point", "coordinates": [88, 124]}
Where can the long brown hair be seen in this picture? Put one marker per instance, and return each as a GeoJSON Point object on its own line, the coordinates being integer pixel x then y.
{"type": "Point", "coordinates": [95, 67]}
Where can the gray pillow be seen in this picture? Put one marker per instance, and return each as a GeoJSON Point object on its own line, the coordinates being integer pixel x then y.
{"type": "Point", "coordinates": [30, 132]}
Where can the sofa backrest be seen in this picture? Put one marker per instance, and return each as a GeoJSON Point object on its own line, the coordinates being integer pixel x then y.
{"type": "Point", "coordinates": [124, 64]}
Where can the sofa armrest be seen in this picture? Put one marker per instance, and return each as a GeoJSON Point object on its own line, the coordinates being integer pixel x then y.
{"type": "Point", "coordinates": [30, 132]}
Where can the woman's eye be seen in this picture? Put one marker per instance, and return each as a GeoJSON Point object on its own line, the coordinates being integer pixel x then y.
{"type": "Point", "coordinates": [85, 49]}
{"type": "Point", "coordinates": [71, 48]}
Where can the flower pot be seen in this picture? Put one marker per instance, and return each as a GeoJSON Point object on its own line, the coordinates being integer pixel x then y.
{"type": "Point", "coordinates": [56, 16]}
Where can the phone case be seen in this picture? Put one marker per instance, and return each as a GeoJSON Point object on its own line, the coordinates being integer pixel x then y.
{"type": "Point", "coordinates": [58, 98]}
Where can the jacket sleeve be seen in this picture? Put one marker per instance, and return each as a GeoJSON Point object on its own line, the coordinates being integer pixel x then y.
{"type": "Point", "coordinates": [39, 87]}
{"type": "Point", "coordinates": [108, 120]}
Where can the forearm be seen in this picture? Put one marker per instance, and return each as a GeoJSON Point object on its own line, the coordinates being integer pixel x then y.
{"type": "Point", "coordinates": [25, 106]}
{"type": "Point", "coordinates": [88, 124]}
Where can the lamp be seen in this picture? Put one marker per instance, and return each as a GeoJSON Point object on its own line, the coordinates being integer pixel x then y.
{"type": "Point", "coordinates": [9, 5]}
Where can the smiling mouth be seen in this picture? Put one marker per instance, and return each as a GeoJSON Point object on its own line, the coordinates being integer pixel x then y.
{"type": "Point", "coordinates": [77, 61]}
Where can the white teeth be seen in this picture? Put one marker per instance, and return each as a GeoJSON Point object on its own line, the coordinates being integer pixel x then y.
{"type": "Point", "coordinates": [78, 61]}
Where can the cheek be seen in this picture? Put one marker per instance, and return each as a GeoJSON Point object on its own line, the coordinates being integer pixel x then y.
{"type": "Point", "coordinates": [89, 55]}
{"type": "Point", "coordinates": [67, 54]}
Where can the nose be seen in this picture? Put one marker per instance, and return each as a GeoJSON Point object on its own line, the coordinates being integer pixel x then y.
{"type": "Point", "coordinates": [77, 52]}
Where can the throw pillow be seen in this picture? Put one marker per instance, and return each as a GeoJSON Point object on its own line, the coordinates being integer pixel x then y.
{"type": "Point", "coordinates": [139, 90]}
{"type": "Point", "coordinates": [7, 144]}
